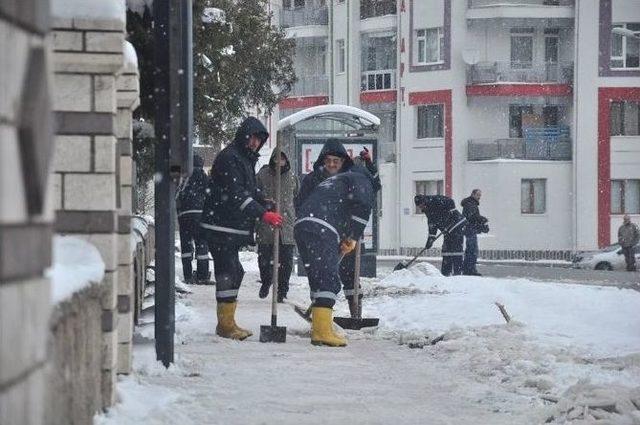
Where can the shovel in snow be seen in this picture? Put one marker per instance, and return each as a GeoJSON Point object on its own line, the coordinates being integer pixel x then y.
{"type": "Point", "coordinates": [273, 332]}
{"type": "Point", "coordinates": [357, 322]}
{"type": "Point", "coordinates": [401, 265]}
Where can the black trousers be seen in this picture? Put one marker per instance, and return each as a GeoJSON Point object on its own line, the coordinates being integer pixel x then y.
{"type": "Point", "coordinates": [228, 271]}
{"type": "Point", "coordinates": [452, 254]}
{"type": "Point", "coordinates": [320, 256]}
{"type": "Point", "coordinates": [629, 258]}
{"type": "Point", "coordinates": [191, 234]}
{"type": "Point", "coordinates": [265, 264]}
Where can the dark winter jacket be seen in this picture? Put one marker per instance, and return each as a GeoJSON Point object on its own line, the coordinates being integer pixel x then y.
{"type": "Point", "coordinates": [628, 235]}
{"type": "Point", "coordinates": [234, 202]}
{"type": "Point", "coordinates": [471, 211]}
{"type": "Point", "coordinates": [266, 180]}
{"type": "Point", "coordinates": [193, 190]}
{"type": "Point", "coordinates": [339, 206]}
{"type": "Point", "coordinates": [441, 214]}
{"type": "Point", "coordinates": [318, 175]}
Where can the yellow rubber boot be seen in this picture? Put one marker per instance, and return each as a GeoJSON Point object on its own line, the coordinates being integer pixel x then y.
{"type": "Point", "coordinates": [322, 328]}
{"type": "Point", "coordinates": [227, 327]}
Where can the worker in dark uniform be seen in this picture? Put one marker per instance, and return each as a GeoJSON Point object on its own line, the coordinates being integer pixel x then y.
{"type": "Point", "coordinates": [442, 215]}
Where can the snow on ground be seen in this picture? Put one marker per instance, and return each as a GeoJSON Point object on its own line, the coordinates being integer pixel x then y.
{"type": "Point", "coordinates": [76, 265]}
{"type": "Point", "coordinates": [574, 345]}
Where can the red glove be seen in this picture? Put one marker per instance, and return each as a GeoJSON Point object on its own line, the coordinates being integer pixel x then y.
{"type": "Point", "coordinates": [272, 218]}
{"type": "Point", "coordinates": [366, 155]}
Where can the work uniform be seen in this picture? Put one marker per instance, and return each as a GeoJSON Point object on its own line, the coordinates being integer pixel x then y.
{"type": "Point", "coordinates": [442, 215]}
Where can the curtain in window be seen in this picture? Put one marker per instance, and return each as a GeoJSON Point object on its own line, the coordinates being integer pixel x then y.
{"type": "Point", "coordinates": [632, 197]}
{"type": "Point", "coordinates": [616, 197]}
{"type": "Point", "coordinates": [539, 196]}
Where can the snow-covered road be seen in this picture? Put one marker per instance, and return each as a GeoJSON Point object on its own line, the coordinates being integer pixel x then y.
{"type": "Point", "coordinates": [483, 372]}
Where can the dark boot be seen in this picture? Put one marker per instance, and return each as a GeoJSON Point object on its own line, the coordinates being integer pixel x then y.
{"type": "Point", "coordinates": [264, 290]}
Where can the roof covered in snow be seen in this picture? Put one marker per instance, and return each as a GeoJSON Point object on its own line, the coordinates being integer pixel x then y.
{"type": "Point", "coordinates": [349, 115]}
{"type": "Point", "coordinates": [89, 9]}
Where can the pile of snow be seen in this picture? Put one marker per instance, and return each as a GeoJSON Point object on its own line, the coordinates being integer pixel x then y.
{"type": "Point", "coordinates": [602, 321]}
{"type": "Point", "coordinates": [597, 404]}
{"type": "Point", "coordinates": [76, 265]}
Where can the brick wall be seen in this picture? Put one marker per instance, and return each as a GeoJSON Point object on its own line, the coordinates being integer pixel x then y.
{"type": "Point", "coordinates": [25, 221]}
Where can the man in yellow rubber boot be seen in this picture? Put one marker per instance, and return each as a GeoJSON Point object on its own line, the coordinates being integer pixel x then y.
{"type": "Point", "coordinates": [231, 209]}
{"type": "Point", "coordinates": [329, 222]}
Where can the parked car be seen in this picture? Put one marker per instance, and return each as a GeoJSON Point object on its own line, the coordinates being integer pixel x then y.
{"type": "Point", "coordinates": [607, 258]}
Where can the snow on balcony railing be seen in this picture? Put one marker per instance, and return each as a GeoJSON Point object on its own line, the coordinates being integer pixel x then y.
{"type": "Point", "coordinates": [310, 85]}
{"type": "Point", "coordinates": [486, 3]}
{"type": "Point", "coordinates": [304, 16]}
{"type": "Point", "coordinates": [384, 79]}
{"type": "Point", "coordinates": [534, 149]}
{"type": "Point", "coordinates": [520, 72]}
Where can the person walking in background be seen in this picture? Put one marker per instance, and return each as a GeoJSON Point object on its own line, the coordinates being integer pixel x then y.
{"type": "Point", "coordinates": [476, 223]}
{"type": "Point", "coordinates": [628, 238]}
{"type": "Point", "coordinates": [266, 180]}
{"type": "Point", "coordinates": [189, 202]}
{"type": "Point", "coordinates": [233, 205]}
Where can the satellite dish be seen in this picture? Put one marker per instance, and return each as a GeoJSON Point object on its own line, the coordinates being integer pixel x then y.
{"type": "Point", "coordinates": [471, 56]}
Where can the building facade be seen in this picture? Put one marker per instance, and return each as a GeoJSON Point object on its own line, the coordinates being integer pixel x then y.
{"type": "Point", "coordinates": [533, 101]}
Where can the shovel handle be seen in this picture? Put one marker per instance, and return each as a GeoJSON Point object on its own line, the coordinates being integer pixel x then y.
{"type": "Point", "coordinates": [276, 239]}
{"type": "Point", "coordinates": [356, 279]}
{"type": "Point", "coordinates": [421, 251]}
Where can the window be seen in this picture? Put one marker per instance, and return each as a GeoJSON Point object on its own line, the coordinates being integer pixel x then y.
{"type": "Point", "coordinates": [625, 118]}
{"type": "Point", "coordinates": [430, 121]}
{"type": "Point", "coordinates": [373, 8]}
{"type": "Point", "coordinates": [429, 45]}
{"type": "Point", "coordinates": [292, 4]}
{"type": "Point", "coordinates": [341, 56]}
{"type": "Point", "coordinates": [521, 48]}
{"type": "Point", "coordinates": [428, 187]}
{"type": "Point", "coordinates": [515, 119]}
{"type": "Point", "coordinates": [533, 196]}
{"type": "Point", "coordinates": [625, 51]}
{"type": "Point", "coordinates": [625, 196]}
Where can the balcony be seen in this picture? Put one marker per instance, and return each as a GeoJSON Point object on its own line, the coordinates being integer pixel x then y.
{"type": "Point", "coordinates": [304, 16]}
{"type": "Point", "coordinates": [378, 80]}
{"type": "Point", "coordinates": [548, 144]}
{"type": "Point", "coordinates": [520, 72]}
{"type": "Point", "coordinates": [521, 9]}
{"type": "Point", "coordinates": [376, 8]}
{"type": "Point", "coordinates": [311, 85]}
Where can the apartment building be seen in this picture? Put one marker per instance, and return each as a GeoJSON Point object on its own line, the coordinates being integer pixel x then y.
{"type": "Point", "coordinates": [536, 102]}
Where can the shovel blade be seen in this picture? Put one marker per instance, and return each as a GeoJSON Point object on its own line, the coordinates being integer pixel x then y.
{"type": "Point", "coordinates": [399, 266]}
{"type": "Point", "coordinates": [273, 333]}
{"type": "Point", "coordinates": [355, 323]}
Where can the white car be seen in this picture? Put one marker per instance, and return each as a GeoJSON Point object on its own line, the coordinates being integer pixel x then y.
{"type": "Point", "coordinates": [608, 258]}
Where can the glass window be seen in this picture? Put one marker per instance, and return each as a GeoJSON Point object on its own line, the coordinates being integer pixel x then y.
{"type": "Point", "coordinates": [515, 119]}
{"type": "Point", "coordinates": [625, 196]}
{"type": "Point", "coordinates": [521, 48]}
{"type": "Point", "coordinates": [429, 45]}
{"type": "Point", "coordinates": [625, 50]}
{"type": "Point", "coordinates": [373, 8]}
{"type": "Point", "coordinates": [533, 196]}
{"type": "Point", "coordinates": [625, 118]}
{"type": "Point", "coordinates": [341, 55]}
{"type": "Point", "coordinates": [430, 121]}
{"type": "Point", "coordinates": [428, 187]}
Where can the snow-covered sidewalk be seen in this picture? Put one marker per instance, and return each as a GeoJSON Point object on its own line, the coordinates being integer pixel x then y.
{"type": "Point", "coordinates": [563, 337]}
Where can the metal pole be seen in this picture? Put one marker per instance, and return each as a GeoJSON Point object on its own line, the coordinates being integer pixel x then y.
{"type": "Point", "coordinates": [164, 187]}
{"type": "Point", "coordinates": [276, 238]}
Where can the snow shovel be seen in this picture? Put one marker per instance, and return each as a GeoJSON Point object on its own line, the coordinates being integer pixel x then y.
{"type": "Point", "coordinates": [401, 266]}
{"type": "Point", "coordinates": [273, 332]}
{"type": "Point", "coordinates": [357, 322]}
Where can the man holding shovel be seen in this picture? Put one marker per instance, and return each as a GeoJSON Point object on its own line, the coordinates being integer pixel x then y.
{"type": "Point", "coordinates": [330, 221]}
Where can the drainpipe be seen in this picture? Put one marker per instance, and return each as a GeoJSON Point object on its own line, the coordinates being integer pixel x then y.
{"type": "Point", "coordinates": [331, 52]}
{"type": "Point", "coordinates": [576, 127]}
{"type": "Point", "coordinates": [348, 52]}
{"type": "Point", "coordinates": [399, 100]}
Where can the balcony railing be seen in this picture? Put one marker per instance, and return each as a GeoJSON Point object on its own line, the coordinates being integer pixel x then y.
{"type": "Point", "coordinates": [374, 8]}
{"type": "Point", "coordinates": [484, 3]}
{"type": "Point", "coordinates": [384, 79]}
{"type": "Point", "coordinates": [535, 149]}
{"type": "Point", "coordinates": [304, 16]}
{"type": "Point", "coordinates": [311, 85]}
{"type": "Point", "coordinates": [520, 72]}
